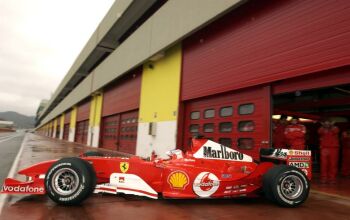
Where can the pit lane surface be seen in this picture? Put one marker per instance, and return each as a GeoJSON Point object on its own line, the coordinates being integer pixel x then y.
{"type": "Point", "coordinates": [10, 144]}
{"type": "Point", "coordinates": [38, 148]}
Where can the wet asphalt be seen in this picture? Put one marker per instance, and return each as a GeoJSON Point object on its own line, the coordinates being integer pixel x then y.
{"type": "Point", "coordinates": [10, 144]}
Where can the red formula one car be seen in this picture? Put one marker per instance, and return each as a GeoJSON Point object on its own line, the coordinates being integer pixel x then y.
{"type": "Point", "coordinates": [209, 170]}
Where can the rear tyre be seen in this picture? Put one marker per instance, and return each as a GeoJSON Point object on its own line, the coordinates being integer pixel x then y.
{"type": "Point", "coordinates": [286, 185]}
{"type": "Point", "coordinates": [69, 181]}
{"type": "Point", "coordinates": [93, 154]}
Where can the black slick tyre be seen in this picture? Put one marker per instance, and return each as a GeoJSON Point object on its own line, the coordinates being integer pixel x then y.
{"type": "Point", "coordinates": [285, 185]}
{"type": "Point", "coordinates": [69, 181]}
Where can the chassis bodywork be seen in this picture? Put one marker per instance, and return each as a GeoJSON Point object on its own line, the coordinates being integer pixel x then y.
{"type": "Point", "coordinates": [209, 170]}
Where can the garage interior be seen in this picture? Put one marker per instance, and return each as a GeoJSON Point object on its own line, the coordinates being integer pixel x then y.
{"type": "Point", "coordinates": [312, 106]}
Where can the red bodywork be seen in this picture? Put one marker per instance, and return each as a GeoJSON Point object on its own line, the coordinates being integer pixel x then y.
{"type": "Point", "coordinates": [228, 173]}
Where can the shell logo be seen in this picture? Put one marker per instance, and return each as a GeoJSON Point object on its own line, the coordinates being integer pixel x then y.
{"type": "Point", "coordinates": [178, 180]}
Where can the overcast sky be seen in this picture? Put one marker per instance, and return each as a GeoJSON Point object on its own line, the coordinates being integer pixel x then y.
{"type": "Point", "coordinates": [39, 41]}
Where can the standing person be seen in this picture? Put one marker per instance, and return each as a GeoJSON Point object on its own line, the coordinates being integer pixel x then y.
{"type": "Point", "coordinates": [295, 134]}
{"type": "Point", "coordinates": [279, 139]}
{"type": "Point", "coordinates": [345, 140]}
{"type": "Point", "coordinates": [329, 146]}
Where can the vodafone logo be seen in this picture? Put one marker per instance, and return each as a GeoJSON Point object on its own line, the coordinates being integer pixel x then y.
{"type": "Point", "coordinates": [22, 189]}
{"type": "Point", "coordinates": [206, 184]}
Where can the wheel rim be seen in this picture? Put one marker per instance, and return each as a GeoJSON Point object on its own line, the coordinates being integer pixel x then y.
{"type": "Point", "coordinates": [292, 187]}
{"type": "Point", "coordinates": [65, 181]}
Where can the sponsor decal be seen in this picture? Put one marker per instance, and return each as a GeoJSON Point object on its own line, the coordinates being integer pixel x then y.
{"type": "Point", "coordinates": [124, 166]}
{"type": "Point", "coordinates": [222, 153]}
{"type": "Point", "coordinates": [283, 153]}
{"type": "Point", "coordinates": [226, 175]}
{"type": "Point", "coordinates": [121, 179]}
{"type": "Point", "coordinates": [299, 153]}
{"type": "Point", "coordinates": [178, 180]}
{"type": "Point", "coordinates": [299, 159]}
{"type": "Point", "coordinates": [299, 164]}
{"type": "Point", "coordinates": [206, 184]}
{"type": "Point", "coordinates": [280, 153]}
{"type": "Point", "coordinates": [23, 189]}
{"type": "Point", "coordinates": [212, 150]}
{"type": "Point", "coordinates": [73, 196]}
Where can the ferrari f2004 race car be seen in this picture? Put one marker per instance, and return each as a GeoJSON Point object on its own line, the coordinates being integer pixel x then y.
{"type": "Point", "coordinates": [208, 170]}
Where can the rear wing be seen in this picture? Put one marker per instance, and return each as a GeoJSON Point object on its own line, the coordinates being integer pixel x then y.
{"type": "Point", "coordinates": [298, 158]}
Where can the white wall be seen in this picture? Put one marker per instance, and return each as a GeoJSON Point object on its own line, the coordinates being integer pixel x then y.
{"type": "Point", "coordinates": [94, 133]}
{"type": "Point", "coordinates": [71, 134]}
{"type": "Point", "coordinates": [163, 141]}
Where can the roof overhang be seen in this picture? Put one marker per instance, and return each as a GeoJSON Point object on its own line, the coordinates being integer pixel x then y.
{"type": "Point", "coordinates": [106, 38]}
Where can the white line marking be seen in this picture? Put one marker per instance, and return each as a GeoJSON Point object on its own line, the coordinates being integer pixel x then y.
{"type": "Point", "coordinates": [8, 138]}
{"type": "Point", "coordinates": [2, 135]}
{"type": "Point", "coordinates": [3, 197]}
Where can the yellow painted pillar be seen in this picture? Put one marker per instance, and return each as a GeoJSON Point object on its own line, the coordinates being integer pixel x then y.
{"type": "Point", "coordinates": [50, 128]}
{"type": "Point", "coordinates": [54, 128]}
{"type": "Point", "coordinates": [160, 90]}
{"type": "Point", "coordinates": [95, 119]}
{"type": "Point", "coordinates": [72, 123]}
{"type": "Point", "coordinates": [61, 126]}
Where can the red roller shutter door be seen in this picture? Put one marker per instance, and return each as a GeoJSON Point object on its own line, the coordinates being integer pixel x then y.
{"type": "Point", "coordinates": [110, 132]}
{"type": "Point", "coordinates": [120, 103]}
{"type": "Point", "coordinates": [82, 132]}
{"type": "Point", "coordinates": [66, 132]}
{"type": "Point", "coordinates": [66, 125]}
{"type": "Point", "coordinates": [265, 41]}
{"type": "Point", "coordinates": [83, 111]}
{"type": "Point", "coordinates": [82, 126]}
{"type": "Point", "coordinates": [333, 77]}
{"type": "Point", "coordinates": [128, 132]}
{"type": "Point", "coordinates": [240, 120]}
{"type": "Point", "coordinates": [58, 128]}
{"type": "Point", "coordinates": [67, 117]}
{"type": "Point", "coordinates": [119, 132]}
{"type": "Point", "coordinates": [122, 96]}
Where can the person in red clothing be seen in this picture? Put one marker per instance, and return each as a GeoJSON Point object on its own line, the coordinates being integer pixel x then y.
{"type": "Point", "coordinates": [345, 140]}
{"type": "Point", "coordinates": [279, 140]}
{"type": "Point", "coordinates": [295, 135]}
{"type": "Point", "coordinates": [329, 146]}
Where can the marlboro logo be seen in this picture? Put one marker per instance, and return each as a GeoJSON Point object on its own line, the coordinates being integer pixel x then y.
{"type": "Point", "coordinates": [216, 151]}
{"type": "Point", "coordinates": [221, 154]}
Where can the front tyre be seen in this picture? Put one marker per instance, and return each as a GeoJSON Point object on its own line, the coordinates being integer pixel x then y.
{"type": "Point", "coordinates": [69, 181]}
{"type": "Point", "coordinates": [286, 185]}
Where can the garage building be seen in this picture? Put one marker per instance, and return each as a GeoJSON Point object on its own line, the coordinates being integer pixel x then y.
{"type": "Point", "coordinates": [155, 73]}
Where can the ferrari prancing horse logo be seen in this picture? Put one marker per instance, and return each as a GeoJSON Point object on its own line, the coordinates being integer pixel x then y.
{"type": "Point", "coordinates": [124, 166]}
